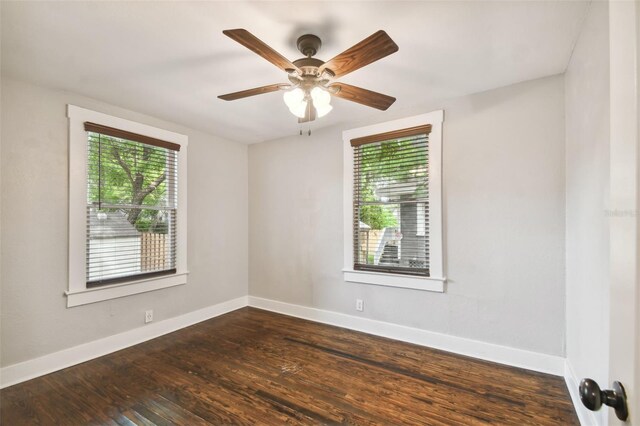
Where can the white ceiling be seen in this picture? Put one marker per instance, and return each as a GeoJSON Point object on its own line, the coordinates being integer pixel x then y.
{"type": "Point", "coordinates": [171, 60]}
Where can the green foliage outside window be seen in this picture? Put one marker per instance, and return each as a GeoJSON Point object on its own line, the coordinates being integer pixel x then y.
{"type": "Point", "coordinates": [382, 163]}
{"type": "Point", "coordinates": [130, 174]}
{"type": "Point", "coordinates": [376, 216]}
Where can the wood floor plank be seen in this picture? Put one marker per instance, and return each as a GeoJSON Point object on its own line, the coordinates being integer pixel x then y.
{"type": "Point", "coordinates": [257, 367]}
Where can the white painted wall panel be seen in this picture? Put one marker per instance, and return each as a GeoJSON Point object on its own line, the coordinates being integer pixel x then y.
{"type": "Point", "coordinates": [504, 213]}
{"type": "Point", "coordinates": [35, 320]}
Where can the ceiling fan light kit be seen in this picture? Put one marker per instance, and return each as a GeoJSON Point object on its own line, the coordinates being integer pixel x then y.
{"type": "Point", "coordinates": [312, 81]}
{"type": "Point", "coordinates": [298, 100]}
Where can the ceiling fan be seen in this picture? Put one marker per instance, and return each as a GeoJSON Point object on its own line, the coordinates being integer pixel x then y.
{"type": "Point", "coordinates": [312, 81]}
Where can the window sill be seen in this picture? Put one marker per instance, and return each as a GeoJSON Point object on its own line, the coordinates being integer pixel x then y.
{"type": "Point", "coordinates": [98, 294]}
{"type": "Point", "coordinates": [434, 284]}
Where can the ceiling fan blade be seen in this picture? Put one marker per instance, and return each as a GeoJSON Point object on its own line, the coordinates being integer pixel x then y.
{"type": "Point", "coordinates": [362, 96]}
{"type": "Point", "coordinates": [252, 92]}
{"type": "Point", "coordinates": [309, 115]}
{"type": "Point", "coordinates": [372, 48]}
{"type": "Point", "coordinates": [256, 45]}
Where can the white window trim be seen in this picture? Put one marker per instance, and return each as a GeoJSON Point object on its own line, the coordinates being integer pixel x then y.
{"type": "Point", "coordinates": [78, 293]}
{"type": "Point", "coordinates": [436, 261]}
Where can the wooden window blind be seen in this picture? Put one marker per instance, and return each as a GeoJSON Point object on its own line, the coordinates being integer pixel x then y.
{"type": "Point", "coordinates": [391, 202]}
{"type": "Point", "coordinates": [132, 184]}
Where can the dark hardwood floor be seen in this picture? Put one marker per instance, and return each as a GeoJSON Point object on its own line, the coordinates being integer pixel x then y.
{"type": "Point", "coordinates": [255, 367]}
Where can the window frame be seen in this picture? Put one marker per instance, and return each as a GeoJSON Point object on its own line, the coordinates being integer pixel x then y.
{"type": "Point", "coordinates": [78, 293]}
{"type": "Point", "coordinates": [436, 280]}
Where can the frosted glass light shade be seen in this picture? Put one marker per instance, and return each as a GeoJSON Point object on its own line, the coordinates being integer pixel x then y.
{"type": "Point", "coordinates": [320, 97]}
{"type": "Point", "coordinates": [293, 97]}
{"type": "Point", "coordinates": [294, 100]}
{"type": "Point", "coordinates": [299, 110]}
{"type": "Point", "coordinates": [323, 110]}
{"type": "Point", "coordinates": [321, 100]}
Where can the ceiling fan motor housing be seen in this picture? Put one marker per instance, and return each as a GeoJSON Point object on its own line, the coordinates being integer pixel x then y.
{"type": "Point", "coordinates": [309, 44]}
{"type": "Point", "coordinates": [308, 66]}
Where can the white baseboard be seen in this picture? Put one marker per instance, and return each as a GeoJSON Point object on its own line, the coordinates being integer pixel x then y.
{"type": "Point", "coordinates": [535, 361]}
{"type": "Point", "coordinates": [16, 373]}
{"type": "Point", "coordinates": [586, 417]}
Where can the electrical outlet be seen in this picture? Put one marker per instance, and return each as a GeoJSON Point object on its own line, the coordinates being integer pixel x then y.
{"type": "Point", "coordinates": [359, 305]}
{"type": "Point", "coordinates": [148, 316]}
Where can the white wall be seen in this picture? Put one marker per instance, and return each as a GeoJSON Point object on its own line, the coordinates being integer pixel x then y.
{"type": "Point", "coordinates": [34, 153]}
{"type": "Point", "coordinates": [587, 192]}
{"type": "Point", "coordinates": [504, 209]}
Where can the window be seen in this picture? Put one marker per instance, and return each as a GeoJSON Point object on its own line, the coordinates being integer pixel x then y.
{"type": "Point", "coordinates": [127, 207]}
{"type": "Point", "coordinates": [131, 205]}
{"type": "Point", "coordinates": [391, 178]}
{"type": "Point", "coordinates": [393, 222]}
